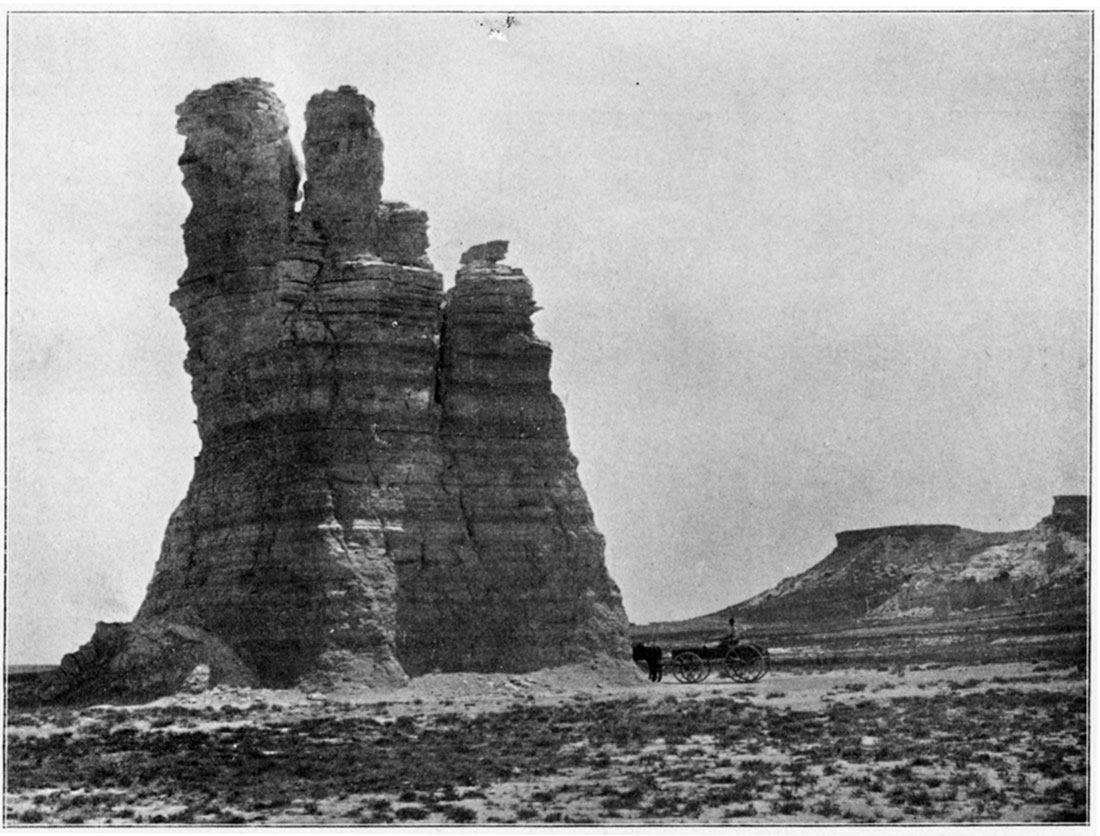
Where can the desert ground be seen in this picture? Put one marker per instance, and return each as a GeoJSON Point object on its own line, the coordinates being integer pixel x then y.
{"type": "Point", "coordinates": [588, 743]}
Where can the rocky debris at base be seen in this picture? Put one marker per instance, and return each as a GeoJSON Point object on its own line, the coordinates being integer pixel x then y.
{"type": "Point", "coordinates": [598, 673]}
{"type": "Point", "coordinates": [198, 681]}
{"type": "Point", "coordinates": [595, 678]}
{"type": "Point", "coordinates": [143, 661]}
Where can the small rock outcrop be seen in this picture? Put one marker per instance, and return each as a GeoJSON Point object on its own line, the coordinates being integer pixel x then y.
{"type": "Point", "coordinates": [385, 485]}
{"type": "Point", "coordinates": [1070, 515]}
{"type": "Point", "coordinates": [401, 234]}
{"type": "Point", "coordinates": [144, 660]}
{"type": "Point", "coordinates": [488, 253]}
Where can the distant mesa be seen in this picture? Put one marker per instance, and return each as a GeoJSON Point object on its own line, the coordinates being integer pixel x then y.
{"type": "Point", "coordinates": [385, 486]}
{"type": "Point", "coordinates": [903, 594]}
{"type": "Point", "coordinates": [931, 571]}
{"type": "Point", "coordinates": [939, 533]}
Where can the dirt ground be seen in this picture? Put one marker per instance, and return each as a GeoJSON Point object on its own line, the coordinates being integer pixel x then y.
{"type": "Point", "coordinates": [588, 743]}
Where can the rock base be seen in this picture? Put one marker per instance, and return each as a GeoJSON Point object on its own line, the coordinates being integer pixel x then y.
{"type": "Point", "coordinates": [142, 661]}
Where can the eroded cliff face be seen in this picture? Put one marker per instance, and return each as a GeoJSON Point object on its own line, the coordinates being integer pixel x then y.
{"type": "Point", "coordinates": [385, 485]}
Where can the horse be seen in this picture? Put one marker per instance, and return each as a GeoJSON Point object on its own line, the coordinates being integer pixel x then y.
{"type": "Point", "coordinates": [651, 655]}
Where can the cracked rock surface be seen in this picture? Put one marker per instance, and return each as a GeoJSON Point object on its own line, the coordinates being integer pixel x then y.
{"type": "Point", "coordinates": [385, 486]}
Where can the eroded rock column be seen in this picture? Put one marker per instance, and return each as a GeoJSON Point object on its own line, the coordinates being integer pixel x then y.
{"type": "Point", "coordinates": [242, 176]}
{"type": "Point", "coordinates": [343, 152]}
{"type": "Point", "coordinates": [385, 485]}
{"type": "Point", "coordinates": [313, 379]}
{"type": "Point", "coordinates": [527, 586]}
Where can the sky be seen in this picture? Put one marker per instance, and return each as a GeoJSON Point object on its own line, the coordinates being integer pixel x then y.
{"type": "Point", "coordinates": [802, 273]}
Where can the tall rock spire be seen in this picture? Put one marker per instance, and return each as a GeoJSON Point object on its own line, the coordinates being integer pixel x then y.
{"type": "Point", "coordinates": [385, 485]}
{"type": "Point", "coordinates": [242, 176]}
{"type": "Point", "coordinates": [343, 152]}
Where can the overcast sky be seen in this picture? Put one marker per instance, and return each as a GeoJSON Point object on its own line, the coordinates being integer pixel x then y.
{"type": "Point", "coordinates": [801, 273]}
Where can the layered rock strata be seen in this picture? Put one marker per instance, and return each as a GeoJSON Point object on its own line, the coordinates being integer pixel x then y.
{"type": "Point", "coordinates": [525, 584]}
{"type": "Point", "coordinates": [385, 485]}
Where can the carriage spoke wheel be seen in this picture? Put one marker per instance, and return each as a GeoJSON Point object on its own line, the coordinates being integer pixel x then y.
{"type": "Point", "coordinates": [689, 667]}
{"type": "Point", "coordinates": [746, 663]}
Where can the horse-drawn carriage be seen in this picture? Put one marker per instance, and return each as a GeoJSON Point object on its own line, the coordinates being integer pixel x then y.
{"type": "Point", "coordinates": [742, 661]}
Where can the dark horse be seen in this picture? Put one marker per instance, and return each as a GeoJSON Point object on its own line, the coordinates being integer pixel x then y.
{"type": "Point", "coordinates": [651, 655]}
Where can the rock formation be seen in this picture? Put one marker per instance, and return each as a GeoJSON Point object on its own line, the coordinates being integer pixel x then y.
{"type": "Point", "coordinates": [241, 174]}
{"type": "Point", "coordinates": [926, 571]}
{"type": "Point", "coordinates": [343, 152]}
{"type": "Point", "coordinates": [528, 562]}
{"type": "Point", "coordinates": [1070, 515]}
{"type": "Point", "coordinates": [385, 485]}
{"type": "Point", "coordinates": [144, 660]}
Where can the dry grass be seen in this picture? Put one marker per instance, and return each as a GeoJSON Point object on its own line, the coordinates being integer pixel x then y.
{"type": "Point", "coordinates": [962, 747]}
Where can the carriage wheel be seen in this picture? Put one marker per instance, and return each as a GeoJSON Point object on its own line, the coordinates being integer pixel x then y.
{"type": "Point", "coordinates": [747, 663]}
{"type": "Point", "coordinates": [689, 667]}
{"type": "Point", "coordinates": [732, 665]}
